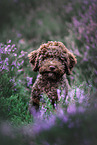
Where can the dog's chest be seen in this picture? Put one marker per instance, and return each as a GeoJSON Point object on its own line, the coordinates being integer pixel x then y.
{"type": "Point", "coordinates": [49, 88]}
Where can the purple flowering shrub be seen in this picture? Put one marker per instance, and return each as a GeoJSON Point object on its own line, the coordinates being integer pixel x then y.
{"type": "Point", "coordinates": [77, 101]}
{"type": "Point", "coordinates": [72, 128]}
{"type": "Point", "coordinates": [13, 64]}
{"type": "Point", "coordinates": [7, 69]}
{"type": "Point", "coordinates": [15, 84]}
{"type": "Point", "coordinates": [85, 34]}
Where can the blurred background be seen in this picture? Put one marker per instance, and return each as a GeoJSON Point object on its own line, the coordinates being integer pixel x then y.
{"type": "Point", "coordinates": [24, 26]}
{"type": "Point", "coordinates": [73, 22]}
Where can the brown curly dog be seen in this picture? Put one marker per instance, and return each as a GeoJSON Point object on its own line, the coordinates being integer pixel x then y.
{"type": "Point", "coordinates": [53, 61]}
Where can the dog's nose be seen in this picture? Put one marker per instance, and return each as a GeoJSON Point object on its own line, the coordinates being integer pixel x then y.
{"type": "Point", "coordinates": [52, 67]}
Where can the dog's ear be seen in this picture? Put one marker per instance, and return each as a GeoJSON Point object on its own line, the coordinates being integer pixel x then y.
{"type": "Point", "coordinates": [71, 61]}
{"type": "Point", "coordinates": [33, 59]}
{"type": "Point", "coordinates": [32, 56]}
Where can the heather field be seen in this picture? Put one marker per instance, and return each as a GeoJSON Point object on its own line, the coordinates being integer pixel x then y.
{"type": "Point", "coordinates": [24, 26]}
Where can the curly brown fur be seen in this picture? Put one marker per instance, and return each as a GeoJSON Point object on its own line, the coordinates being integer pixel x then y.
{"type": "Point", "coordinates": [53, 61]}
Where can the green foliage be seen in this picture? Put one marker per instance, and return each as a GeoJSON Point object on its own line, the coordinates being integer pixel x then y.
{"type": "Point", "coordinates": [15, 109]}
{"type": "Point", "coordinates": [14, 101]}
{"type": "Point", "coordinates": [76, 101]}
{"type": "Point", "coordinates": [46, 108]}
{"type": "Point", "coordinates": [6, 87]}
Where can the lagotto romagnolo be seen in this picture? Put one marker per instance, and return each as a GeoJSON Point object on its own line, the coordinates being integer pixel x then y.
{"type": "Point", "coordinates": [53, 61]}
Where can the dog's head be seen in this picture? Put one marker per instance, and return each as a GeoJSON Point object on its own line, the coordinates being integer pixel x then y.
{"type": "Point", "coordinates": [52, 59]}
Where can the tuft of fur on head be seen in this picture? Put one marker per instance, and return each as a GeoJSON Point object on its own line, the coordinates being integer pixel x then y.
{"type": "Point", "coordinates": [56, 53]}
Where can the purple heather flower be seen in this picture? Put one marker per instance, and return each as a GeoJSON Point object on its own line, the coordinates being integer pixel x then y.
{"type": "Point", "coordinates": [68, 8]}
{"type": "Point", "coordinates": [87, 47]}
{"type": "Point", "coordinates": [15, 89]}
{"type": "Point", "coordinates": [20, 70]}
{"type": "Point", "coordinates": [9, 41]}
{"type": "Point", "coordinates": [6, 61]}
{"type": "Point", "coordinates": [76, 22]}
{"type": "Point", "coordinates": [5, 68]}
{"type": "Point", "coordinates": [1, 62]}
{"type": "Point", "coordinates": [6, 49]}
{"type": "Point", "coordinates": [96, 72]}
{"type": "Point", "coordinates": [14, 63]}
{"type": "Point", "coordinates": [81, 109]}
{"type": "Point", "coordinates": [80, 95]}
{"type": "Point", "coordinates": [71, 109]}
{"type": "Point", "coordinates": [62, 115]}
{"type": "Point", "coordinates": [11, 80]}
{"type": "Point", "coordinates": [15, 84]}
{"type": "Point", "coordinates": [22, 51]}
{"type": "Point", "coordinates": [65, 118]}
{"type": "Point", "coordinates": [22, 62]}
{"type": "Point", "coordinates": [18, 64]}
{"type": "Point", "coordinates": [9, 50]}
{"type": "Point", "coordinates": [15, 54]}
{"type": "Point", "coordinates": [19, 35]}
{"type": "Point", "coordinates": [29, 81]}
{"type": "Point", "coordinates": [12, 68]}
{"type": "Point", "coordinates": [15, 48]}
